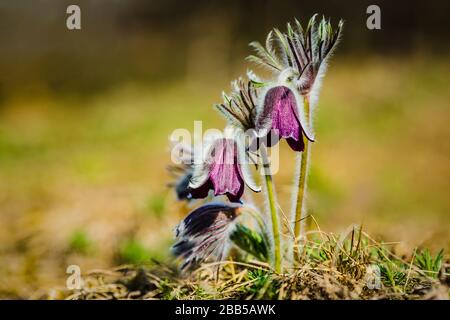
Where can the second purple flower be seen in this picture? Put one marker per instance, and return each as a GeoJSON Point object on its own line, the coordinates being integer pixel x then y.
{"type": "Point", "coordinates": [222, 170]}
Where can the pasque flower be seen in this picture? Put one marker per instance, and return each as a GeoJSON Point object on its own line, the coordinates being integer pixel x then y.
{"type": "Point", "coordinates": [279, 117]}
{"type": "Point", "coordinates": [204, 233]}
{"type": "Point", "coordinates": [302, 53]}
{"type": "Point", "coordinates": [266, 112]}
{"type": "Point", "coordinates": [222, 169]}
{"type": "Point", "coordinates": [259, 113]}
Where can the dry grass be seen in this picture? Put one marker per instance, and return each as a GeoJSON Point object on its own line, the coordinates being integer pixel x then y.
{"type": "Point", "coordinates": [329, 267]}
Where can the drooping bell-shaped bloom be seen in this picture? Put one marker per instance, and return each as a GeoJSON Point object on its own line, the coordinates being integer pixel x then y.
{"type": "Point", "coordinates": [204, 233]}
{"type": "Point", "coordinates": [223, 170]}
{"type": "Point", "coordinates": [279, 117]}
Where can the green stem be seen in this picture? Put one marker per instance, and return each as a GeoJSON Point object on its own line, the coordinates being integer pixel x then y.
{"type": "Point", "coordinates": [300, 207]}
{"type": "Point", "coordinates": [273, 211]}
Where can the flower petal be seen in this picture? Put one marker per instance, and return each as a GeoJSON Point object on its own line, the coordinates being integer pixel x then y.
{"type": "Point", "coordinates": [283, 112]}
{"type": "Point", "coordinates": [201, 191]}
{"type": "Point", "coordinates": [225, 174]}
{"type": "Point", "coordinates": [219, 171]}
{"type": "Point", "coordinates": [279, 113]}
{"type": "Point", "coordinates": [296, 145]}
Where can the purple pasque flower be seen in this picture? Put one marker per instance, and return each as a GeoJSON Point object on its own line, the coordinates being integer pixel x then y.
{"type": "Point", "coordinates": [302, 52]}
{"type": "Point", "coordinates": [223, 169]}
{"type": "Point", "coordinates": [281, 116]}
{"type": "Point", "coordinates": [204, 233]}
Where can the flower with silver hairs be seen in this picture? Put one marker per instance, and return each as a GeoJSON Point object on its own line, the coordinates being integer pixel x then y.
{"type": "Point", "coordinates": [223, 169]}
{"type": "Point", "coordinates": [239, 107]}
{"type": "Point", "coordinates": [265, 121]}
{"type": "Point", "coordinates": [281, 116]}
{"type": "Point", "coordinates": [205, 233]}
{"type": "Point", "coordinates": [300, 54]}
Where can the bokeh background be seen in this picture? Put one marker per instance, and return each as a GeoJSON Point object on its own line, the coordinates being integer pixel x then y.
{"type": "Point", "coordinates": [85, 118]}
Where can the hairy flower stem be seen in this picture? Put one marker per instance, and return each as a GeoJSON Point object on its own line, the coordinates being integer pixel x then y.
{"type": "Point", "coordinates": [300, 206]}
{"type": "Point", "coordinates": [273, 210]}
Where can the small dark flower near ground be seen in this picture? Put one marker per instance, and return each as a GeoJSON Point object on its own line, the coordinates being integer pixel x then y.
{"type": "Point", "coordinates": [204, 233]}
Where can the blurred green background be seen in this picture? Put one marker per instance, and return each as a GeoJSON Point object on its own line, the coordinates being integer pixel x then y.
{"type": "Point", "coordinates": [85, 118]}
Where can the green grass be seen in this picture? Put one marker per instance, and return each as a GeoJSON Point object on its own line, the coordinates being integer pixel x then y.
{"type": "Point", "coordinates": [133, 251]}
{"type": "Point", "coordinates": [330, 267]}
{"type": "Point", "coordinates": [429, 264]}
{"type": "Point", "coordinates": [80, 242]}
